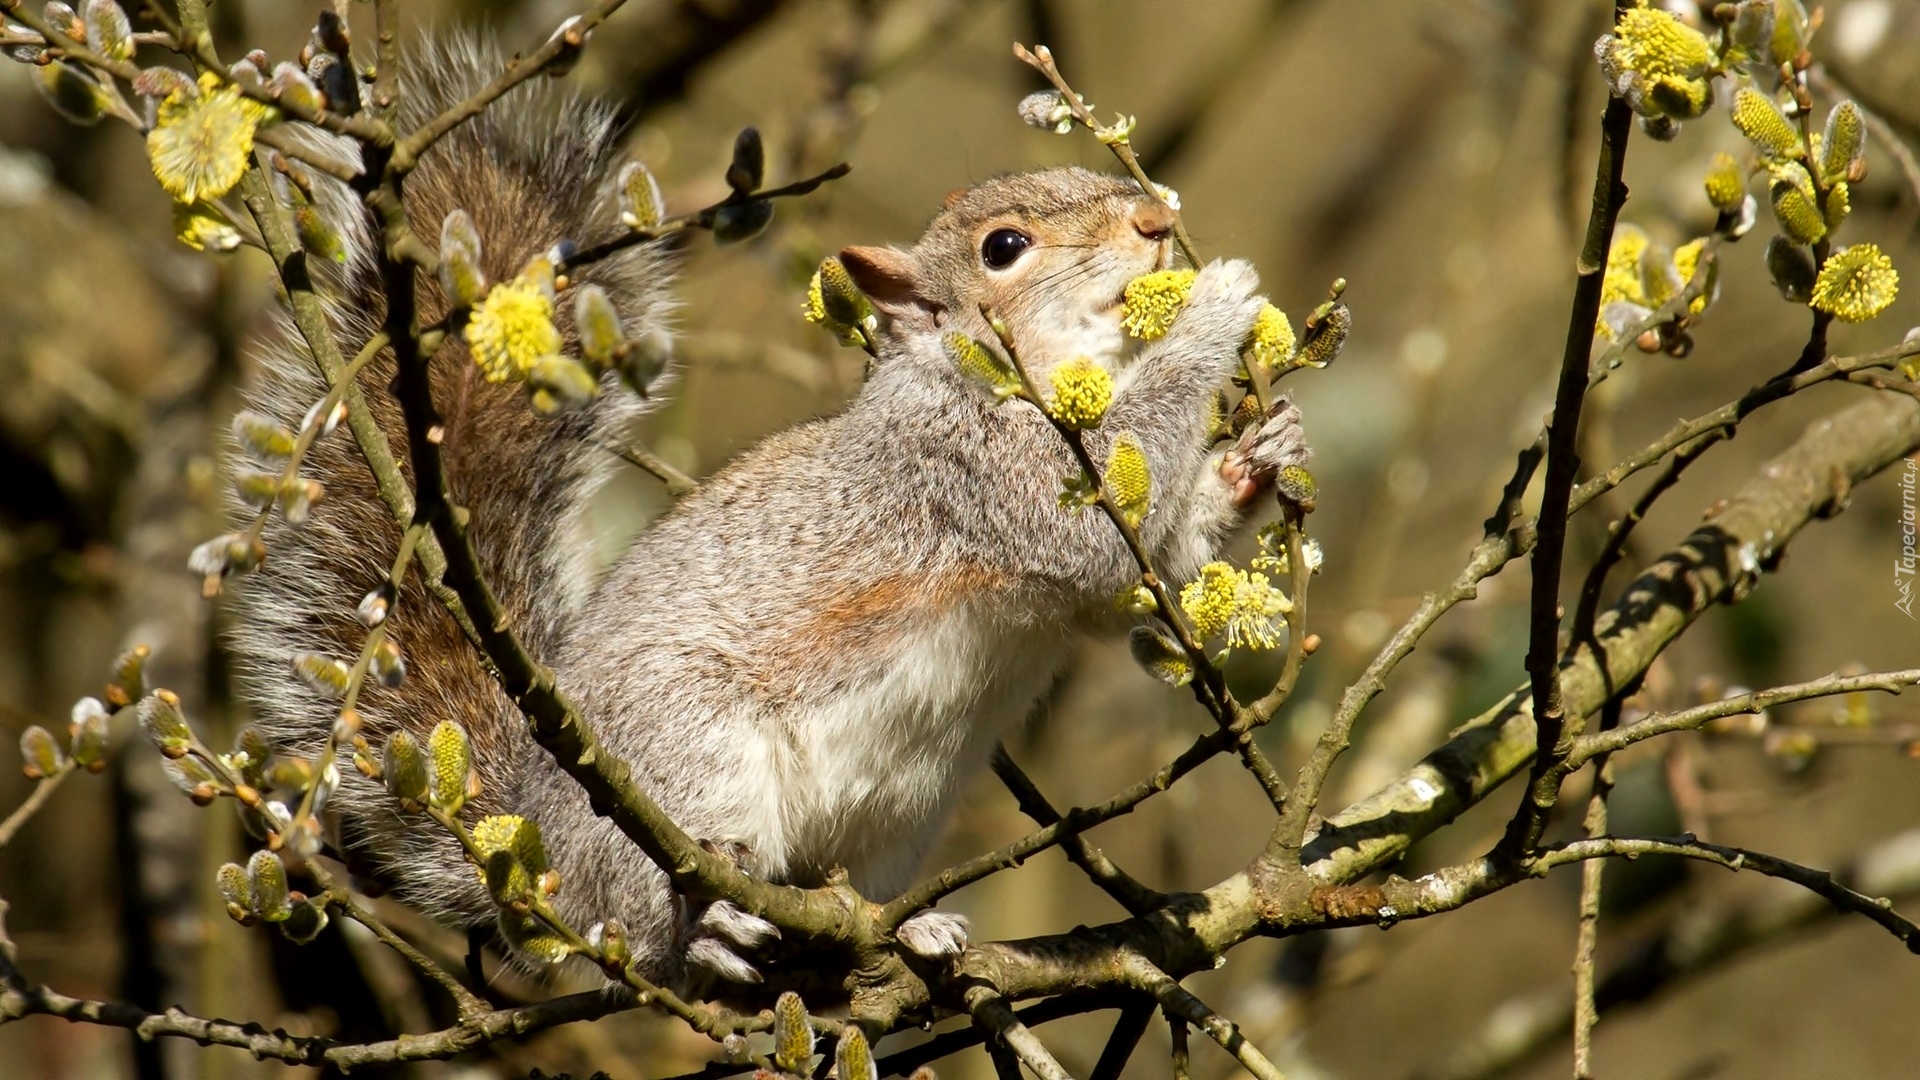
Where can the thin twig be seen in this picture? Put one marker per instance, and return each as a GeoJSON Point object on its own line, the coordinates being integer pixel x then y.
{"type": "Point", "coordinates": [42, 791]}
{"type": "Point", "coordinates": [1604, 742]}
{"type": "Point", "coordinates": [1100, 869]}
{"type": "Point", "coordinates": [638, 456]}
{"type": "Point", "coordinates": [1177, 1001]}
{"type": "Point", "coordinates": [1586, 1012]}
{"type": "Point", "coordinates": [991, 1012]}
{"type": "Point", "coordinates": [1040, 59]}
{"type": "Point", "coordinates": [564, 42]}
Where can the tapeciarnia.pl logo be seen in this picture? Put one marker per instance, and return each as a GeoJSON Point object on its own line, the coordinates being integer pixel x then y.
{"type": "Point", "coordinates": [1904, 566]}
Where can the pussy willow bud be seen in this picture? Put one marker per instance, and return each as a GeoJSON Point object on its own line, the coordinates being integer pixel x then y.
{"type": "Point", "coordinates": [316, 236]}
{"type": "Point", "coordinates": [1129, 481]}
{"type": "Point", "coordinates": [840, 298]}
{"type": "Point", "coordinates": [1790, 28]}
{"type": "Point", "coordinates": [572, 38]}
{"type": "Point", "coordinates": [1726, 185]}
{"type": "Point", "coordinates": [853, 1057]}
{"type": "Point", "coordinates": [1325, 335]}
{"type": "Point", "coordinates": [1839, 204]}
{"type": "Point", "coordinates": [295, 91]}
{"type": "Point", "coordinates": [267, 884]}
{"type": "Point", "coordinates": [345, 727]}
{"type": "Point", "coordinates": [330, 30]}
{"type": "Point", "coordinates": [323, 674]}
{"type": "Point", "coordinates": [387, 665]}
{"type": "Point", "coordinates": [1082, 393]}
{"type": "Point", "coordinates": [450, 761]}
{"type": "Point", "coordinates": [736, 222]}
{"type": "Point", "coordinates": [1155, 650]}
{"type": "Point", "coordinates": [256, 487]}
{"type": "Point", "coordinates": [460, 273]}
{"type": "Point", "coordinates": [977, 361]}
{"type": "Point", "coordinates": [108, 30]}
{"type": "Point", "coordinates": [1295, 484]}
{"type": "Point", "coordinates": [305, 919]}
{"type": "Point", "coordinates": [244, 553]}
{"type": "Point", "coordinates": [245, 72]}
{"type": "Point", "coordinates": [734, 1048]}
{"type": "Point", "coordinates": [251, 748]}
{"type": "Point", "coordinates": [160, 717]}
{"type": "Point", "coordinates": [290, 772]}
{"type": "Point", "coordinates": [641, 207]}
{"type": "Point", "coordinates": [1794, 207]}
{"type": "Point", "coordinates": [209, 560]}
{"type": "Point", "coordinates": [375, 605]}
{"type": "Point", "coordinates": [297, 499]}
{"type": "Point", "coordinates": [515, 857]}
{"type": "Point", "coordinates": [64, 19]}
{"type": "Point", "coordinates": [405, 768]}
{"type": "Point", "coordinates": [1047, 110]}
{"type": "Point", "coordinates": [128, 682]}
{"type": "Point", "coordinates": [1138, 600]}
{"type": "Point", "coordinates": [236, 890]}
{"type": "Point", "coordinates": [160, 82]}
{"type": "Point", "coordinates": [71, 92]}
{"type": "Point", "coordinates": [1844, 142]}
{"type": "Point", "coordinates": [40, 755]}
{"type": "Point", "coordinates": [749, 164]}
{"type": "Point", "coordinates": [1751, 29]}
{"type": "Point", "coordinates": [1760, 120]}
{"type": "Point", "coordinates": [1856, 283]}
{"type": "Point", "coordinates": [792, 1034]}
{"type": "Point", "coordinates": [613, 943]}
{"type": "Point", "coordinates": [601, 335]}
{"type": "Point", "coordinates": [323, 416]}
{"type": "Point", "coordinates": [90, 731]}
{"type": "Point", "coordinates": [646, 357]}
{"type": "Point", "coordinates": [560, 384]}
{"type": "Point", "coordinates": [262, 437]}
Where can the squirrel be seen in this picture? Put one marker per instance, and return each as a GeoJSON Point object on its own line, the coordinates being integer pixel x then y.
{"type": "Point", "coordinates": [810, 654]}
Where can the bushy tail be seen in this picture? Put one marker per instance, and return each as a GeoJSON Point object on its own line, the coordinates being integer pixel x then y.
{"type": "Point", "coordinates": [535, 168]}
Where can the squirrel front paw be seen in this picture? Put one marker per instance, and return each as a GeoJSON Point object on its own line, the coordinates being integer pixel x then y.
{"type": "Point", "coordinates": [934, 935]}
{"type": "Point", "coordinates": [1274, 443]}
{"type": "Point", "coordinates": [1222, 305]}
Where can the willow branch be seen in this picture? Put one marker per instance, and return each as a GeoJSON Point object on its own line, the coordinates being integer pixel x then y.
{"type": "Point", "coordinates": [1562, 469]}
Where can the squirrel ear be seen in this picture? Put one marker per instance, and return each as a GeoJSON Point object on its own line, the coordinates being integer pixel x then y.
{"type": "Point", "coordinates": [891, 279]}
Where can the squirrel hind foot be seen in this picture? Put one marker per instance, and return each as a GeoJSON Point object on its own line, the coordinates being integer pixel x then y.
{"type": "Point", "coordinates": [715, 957]}
{"type": "Point", "coordinates": [725, 919]}
{"type": "Point", "coordinates": [934, 935]}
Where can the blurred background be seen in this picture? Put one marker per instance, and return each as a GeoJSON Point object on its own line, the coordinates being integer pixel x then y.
{"type": "Point", "coordinates": [1437, 154]}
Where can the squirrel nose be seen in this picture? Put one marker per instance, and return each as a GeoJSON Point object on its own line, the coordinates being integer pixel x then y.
{"type": "Point", "coordinates": [1153, 221]}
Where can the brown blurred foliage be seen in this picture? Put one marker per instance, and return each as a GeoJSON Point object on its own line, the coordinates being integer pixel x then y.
{"type": "Point", "coordinates": [1435, 154]}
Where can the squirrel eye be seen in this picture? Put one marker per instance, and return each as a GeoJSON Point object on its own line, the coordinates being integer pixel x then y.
{"type": "Point", "coordinates": [1002, 247]}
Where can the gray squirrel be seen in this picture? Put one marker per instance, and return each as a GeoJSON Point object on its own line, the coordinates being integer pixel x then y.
{"type": "Point", "coordinates": [807, 658]}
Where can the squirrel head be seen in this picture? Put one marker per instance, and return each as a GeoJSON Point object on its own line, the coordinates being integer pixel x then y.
{"type": "Point", "coordinates": [1049, 252]}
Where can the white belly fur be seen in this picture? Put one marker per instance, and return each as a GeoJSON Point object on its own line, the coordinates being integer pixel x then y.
{"type": "Point", "coordinates": [848, 781]}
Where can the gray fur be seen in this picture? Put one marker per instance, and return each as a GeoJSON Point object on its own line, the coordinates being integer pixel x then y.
{"type": "Point", "coordinates": [809, 655]}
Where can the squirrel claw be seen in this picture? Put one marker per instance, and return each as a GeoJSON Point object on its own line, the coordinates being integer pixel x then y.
{"type": "Point", "coordinates": [934, 935]}
{"type": "Point", "coordinates": [724, 919]}
{"type": "Point", "coordinates": [713, 955]}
